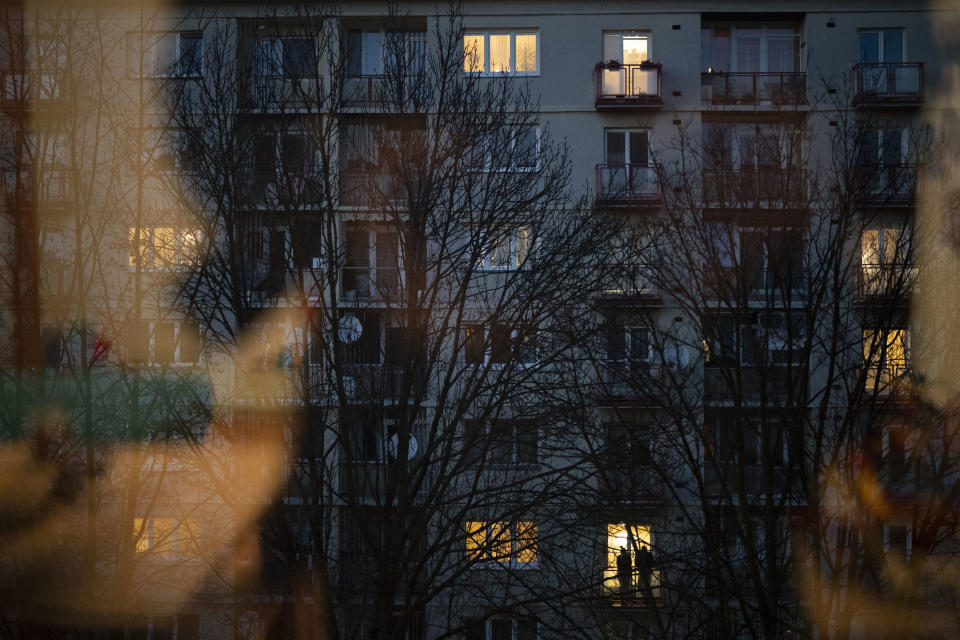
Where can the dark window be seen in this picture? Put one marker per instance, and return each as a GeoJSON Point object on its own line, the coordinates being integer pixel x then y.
{"type": "Point", "coordinates": [188, 626]}
{"type": "Point", "coordinates": [474, 347]}
{"type": "Point", "coordinates": [191, 54]}
{"type": "Point", "coordinates": [299, 57]}
{"type": "Point", "coordinates": [189, 338]}
{"type": "Point", "coordinates": [51, 338]}
{"type": "Point", "coordinates": [499, 344]}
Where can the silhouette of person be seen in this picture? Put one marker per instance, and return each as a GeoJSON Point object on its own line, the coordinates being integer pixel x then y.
{"type": "Point", "coordinates": [624, 570]}
{"type": "Point", "coordinates": [645, 565]}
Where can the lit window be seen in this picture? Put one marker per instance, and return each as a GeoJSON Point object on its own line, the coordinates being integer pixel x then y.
{"type": "Point", "coordinates": [885, 355]}
{"type": "Point", "coordinates": [501, 52]}
{"type": "Point", "coordinates": [630, 564]}
{"type": "Point", "coordinates": [504, 542]}
{"type": "Point", "coordinates": [154, 54]}
{"type": "Point", "coordinates": [163, 247]}
{"type": "Point", "coordinates": [166, 537]}
{"type": "Point", "coordinates": [506, 248]}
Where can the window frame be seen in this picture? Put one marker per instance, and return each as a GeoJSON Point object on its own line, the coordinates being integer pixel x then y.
{"type": "Point", "coordinates": [513, 349]}
{"type": "Point", "coordinates": [471, 628]}
{"type": "Point", "coordinates": [486, 34]}
{"type": "Point", "coordinates": [173, 543]}
{"type": "Point", "coordinates": [485, 555]}
{"type": "Point", "coordinates": [763, 51]}
{"type": "Point", "coordinates": [878, 376]}
{"type": "Point", "coordinates": [881, 33]}
{"type": "Point", "coordinates": [479, 440]}
{"type": "Point", "coordinates": [510, 238]}
{"type": "Point", "coordinates": [149, 247]}
{"type": "Point", "coordinates": [276, 60]}
{"type": "Point", "coordinates": [136, 40]}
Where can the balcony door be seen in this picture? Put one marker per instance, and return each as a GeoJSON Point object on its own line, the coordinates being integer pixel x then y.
{"type": "Point", "coordinates": [879, 49]}
{"type": "Point", "coordinates": [630, 49]}
{"type": "Point", "coordinates": [627, 156]}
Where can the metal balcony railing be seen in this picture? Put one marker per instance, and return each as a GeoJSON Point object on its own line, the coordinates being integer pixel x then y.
{"type": "Point", "coordinates": [632, 382]}
{"type": "Point", "coordinates": [888, 280]}
{"type": "Point", "coordinates": [632, 282]}
{"type": "Point", "coordinates": [636, 592]}
{"type": "Point", "coordinates": [889, 184]}
{"type": "Point", "coordinates": [369, 283]}
{"type": "Point", "coordinates": [628, 85]}
{"type": "Point", "coordinates": [362, 189]}
{"type": "Point", "coordinates": [784, 88]}
{"type": "Point", "coordinates": [755, 187]}
{"type": "Point", "coordinates": [888, 83]}
{"type": "Point", "coordinates": [278, 93]}
{"type": "Point", "coordinates": [359, 90]}
{"type": "Point", "coordinates": [628, 183]}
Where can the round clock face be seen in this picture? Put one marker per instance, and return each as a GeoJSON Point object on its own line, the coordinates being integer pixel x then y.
{"type": "Point", "coordinates": [349, 329]}
{"type": "Point", "coordinates": [393, 445]}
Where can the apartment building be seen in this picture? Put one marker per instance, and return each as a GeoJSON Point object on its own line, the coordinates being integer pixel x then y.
{"type": "Point", "coordinates": [513, 322]}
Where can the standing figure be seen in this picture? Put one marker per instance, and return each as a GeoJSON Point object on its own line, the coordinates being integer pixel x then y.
{"type": "Point", "coordinates": [624, 571]}
{"type": "Point", "coordinates": [645, 566]}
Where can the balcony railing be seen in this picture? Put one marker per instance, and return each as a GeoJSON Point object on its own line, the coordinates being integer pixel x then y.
{"type": "Point", "coordinates": [750, 385]}
{"type": "Point", "coordinates": [785, 88]}
{"type": "Point", "coordinates": [629, 183]}
{"type": "Point", "coordinates": [632, 283]}
{"type": "Point", "coordinates": [636, 591]}
{"type": "Point", "coordinates": [369, 283]}
{"type": "Point", "coordinates": [281, 93]}
{"type": "Point", "coordinates": [755, 187]}
{"type": "Point", "coordinates": [628, 86]}
{"type": "Point", "coordinates": [374, 382]}
{"type": "Point", "coordinates": [631, 382]}
{"type": "Point", "coordinates": [889, 184]}
{"type": "Point", "coordinates": [886, 280]}
{"type": "Point", "coordinates": [880, 83]}
{"type": "Point", "coordinates": [362, 189]}
{"type": "Point", "coordinates": [30, 89]}
{"type": "Point", "coordinates": [359, 90]}
{"type": "Point", "coordinates": [788, 281]}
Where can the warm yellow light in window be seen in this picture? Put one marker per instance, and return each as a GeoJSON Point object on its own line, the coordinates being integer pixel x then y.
{"type": "Point", "coordinates": [141, 535]}
{"type": "Point", "coordinates": [188, 536]}
{"type": "Point", "coordinates": [526, 52]}
{"type": "Point", "coordinates": [164, 239]}
{"type": "Point", "coordinates": [500, 541]}
{"type": "Point", "coordinates": [476, 539]}
{"type": "Point", "coordinates": [526, 541]}
{"type": "Point", "coordinates": [500, 53]}
{"type": "Point", "coordinates": [473, 53]}
{"type": "Point", "coordinates": [138, 249]}
{"type": "Point", "coordinates": [163, 535]}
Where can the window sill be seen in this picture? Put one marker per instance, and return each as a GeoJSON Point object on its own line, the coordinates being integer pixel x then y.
{"type": "Point", "coordinates": [512, 564]}
{"type": "Point", "coordinates": [501, 74]}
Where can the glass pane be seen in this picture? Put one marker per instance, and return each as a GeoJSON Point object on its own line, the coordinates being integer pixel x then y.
{"type": "Point", "coordinates": [638, 147]}
{"type": "Point", "coordinates": [191, 55]}
{"type": "Point", "coordinates": [869, 46]}
{"type": "Point", "coordinates": [372, 53]}
{"type": "Point", "coordinates": [523, 240]}
{"type": "Point", "coordinates": [783, 54]}
{"type": "Point", "coordinates": [634, 50]}
{"type": "Point", "coordinates": [526, 541]}
{"type": "Point", "coordinates": [476, 539]}
{"type": "Point", "coordinates": [166, 54]}
{"type": "Point", "coordinates": [893, 45]}
{"type": "Point", "coordinates": [299, 57]}
{"type": "Point", "coordinates": [500, 541]}
{"type": "Point", "coordinates": [870, 247]}
{"type": "Point", "coordinates": [501, 629]}
{"type": "Point", "coordinates": [616, 147]}
{"type": "Point", "coordinates": [526, 52]}
{"type": "Point", "coordinates": [355, 52]}
{"type": "Point", "coordinates": [612, 49]}
{"type": "Point", "coordinates": [499, 53]}
{"type": "Point", "coordinates": [748, 54]}
{"type": "Point", "coordinates": [473, 52]}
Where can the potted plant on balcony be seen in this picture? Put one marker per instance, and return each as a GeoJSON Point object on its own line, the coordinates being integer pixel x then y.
{"type": "Point", "coordinates": [648, 64]}
{"type": "Point", "coordinates": [611, 65]}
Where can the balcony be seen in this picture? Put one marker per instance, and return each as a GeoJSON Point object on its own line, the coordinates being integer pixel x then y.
{"type": "Point", "coordinates": [628, 86]}
{"type": "Point", "coordinates": [630, 184]}
{"type": "Point", "coordinates": [888, 84]}
{"type": "Point", "coordinates": [763, 187]}
{"type": "Point", "coordinates": [774, 89]}
{"type": "Point", "coordinates": [786, 283]}
{"type": "Point", "coordinates": [889, 185]}
{"type": "Point", "coordinates": [634, 285]}
{"type": "Point", "coordinates": [626, 483]}
{"type": "Point", "coordinates": [770, 385]}
{"type": "Point", "coordinates": [284, 93]}
{"type": "Point", "coordinates": [631, 383]}
{"type": "Point", "coordinates": [359, 284]}
{"type": "Point", "coordinates": [637, 593]}
{"type": "Point", "coordinates": [372, 382]}
{"type": "Point", "coordinates": [27, 91]}
{"type": "Point", "coordinates": [886, 282]}
{"type": "Point", "coordinates": [380, 90]}
{"type": "Point", "coordinates": [362, 189]}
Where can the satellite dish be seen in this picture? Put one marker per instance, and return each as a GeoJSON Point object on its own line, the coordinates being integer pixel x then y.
{"type": "Point", "coordinates": [349, 329]}
{"type": "Point", "coordinates": [393, 445]}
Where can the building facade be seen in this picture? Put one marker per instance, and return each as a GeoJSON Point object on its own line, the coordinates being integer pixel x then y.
{"type": "Point", "coordinates": [511, 321]}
